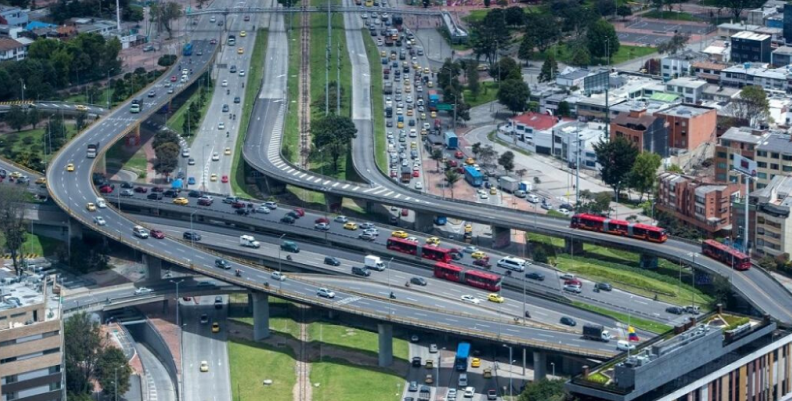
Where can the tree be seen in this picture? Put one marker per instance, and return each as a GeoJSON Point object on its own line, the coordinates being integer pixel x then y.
{"type": "Point", "coordinates": [602, 39]}
{"type": "Point", "coordinates": [165, 136]}
{"type": "Point", "coordinates": [167, 158]}
{"type": "Point", "coordinates": [79, 121]}
{"type": "Point", "coordinates": [674, 168]}
{"type": "Point", "coordinates": [452, 177]}
{"type": "Point", "coordinates": [487, 3]}
{"type": "Point", "coordinates": [736, 7]}
{"type": "Point", "coordinates": [580, 57]}
{"type": "Point", "coordinates": [563, 109]}
{"type": "Point", "coordinates": [476, 148]}
{"type": "Point", "coordinates": [752, 105]}
{"type": "Point", "coordinates": [643, 174]}
{"type": "Point", "coordinates": [506, 68]}
{"type": "Point", "coordinates": [545, 390]}
{"type": "Point", "coordinates": [472, 76]}
{"type": "Point", "coordinates": [514, 94]}
{"type": "Point", "coordinates": [82, 352]}
{"type": "Point", "coordinates": [33, 117]}
{"type": "Point", "coordinates": [489, 34]}
{"type": "Point", "coordinates": [437, 155]}
{"type": "Point", "coordinates": [487, 156]}
{"type": "Point", "coordinates": [16, 118]}
{"type": "Point", "coordinates": [543, 31]}
{"type": "Point", "coordinates": [598, 203]}
{"type": "Point", "coordinates": [605, 7]}
{"type": "Point", "coordinates": [616, 158]}
{"type": "Point", "coordinates": [624, 11]}
{"type": "Point", "coordinates": [164, 13]}
{"type": "Point", "coordinates": [514, 16]}
{"type": "Point", "coordinates": [12, 224]}
{"type": "Point", "coordinates": [113, 371]}
{"type": "Point", "coordinates": [334, 134]}
{"type": "Point", "coordinates": [676, 43]}
{"type": "Point", "coordinates": [549, 69]}
{"type": "Point", "coordinates": [526, 50]}
{"type": "Point", "coordinates": [166, 60]}
{"type": "Point", "coordinates": [506, 160]}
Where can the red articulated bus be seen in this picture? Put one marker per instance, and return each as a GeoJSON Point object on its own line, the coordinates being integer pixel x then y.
{"type": "Point", "coordinates": [436, 253]}
{"type": "Point", "coordinates": [624, 228]}
{"type": "Point", "coordinates": [473, 278]}
{"type": "Point", "coordinates": [726, 254]}
{"type": "Point", "coordinates": [411, 248]}
{"type": "Point", "coordinates": [402, 245]}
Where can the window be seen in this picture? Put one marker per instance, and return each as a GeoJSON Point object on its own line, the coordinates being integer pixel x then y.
{"type": "Point", "coordinates": [722, 165]}
{"type": "Point", "coordinates": [762, 175]}
{"type": "Point", "coordinates": [761, 153]}
{"type": "Point", "coordinates": [773, 166]}
{"type": "Point", "coordinates": [761, 164]}
{"type": "Point", "coordinates": [786, 169]}
{"type": "Point", "coordinates": [786, 157]}
{"type": "Point", "coordinates": [721, 155]}
{"type": "Point", "coordinates": [775, 155]}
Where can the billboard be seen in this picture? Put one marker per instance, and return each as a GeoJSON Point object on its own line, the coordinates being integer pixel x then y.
{"type": "Point", "coordinates": [744, 165]}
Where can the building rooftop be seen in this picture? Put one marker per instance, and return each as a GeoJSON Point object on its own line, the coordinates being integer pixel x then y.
{"type": "Point", "coordinates": [744, 134]}
{"type": "Point", "coordinates": [537, 121]}
{"type": "Point", "coordinates": [686, 110]}
{"type": "Point", "coordinates": [783, 50]}
{"type": "Point", "coordinates": [747, 35]}
{"type": "Point", "coordinates": [718, 90]}
{"type": "Point", "coordinates": [776, 195]}
{"type": "Point", "coordinates": [9, 44]}
{"type": "Point", "coordinates": [633, 121]}
{"type": "Point", "coordinates": [737, 26]}
{"type": "Point", "coordinates": [708, 65]}
{"type": "Point", "coordinates": [577, 74]}
{"type": "Point", "coordinates": [776, 143]}
{"type": "Point", "coordinates": [28, 290]}
{"type": "Point", "coordinates": [687, 82]}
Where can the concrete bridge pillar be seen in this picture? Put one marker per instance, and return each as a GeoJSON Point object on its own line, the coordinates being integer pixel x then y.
{"type": "Point", "coordinates": [648, 261]}
{"type": "Point", "coordinates": [573, 247]}
{"type": "Point", "coordinates": [270, 186]}
{"type": "Point", "coordinates": [153, 267]}
{"type": "Point", "coordinates": [75, 229]}
{"type": "Point", "coordinates": [260, 315]}
{"type": "Point", "coordinates": [333, 202]}
{"type": "Point", "coordinates": [385, 344]}
{"type": "Point", "coordinates": [539, 365]}
{"type": "Point", "coordinates": [424, 222]}
{"type": "Point", "coordinates": [501, 237]}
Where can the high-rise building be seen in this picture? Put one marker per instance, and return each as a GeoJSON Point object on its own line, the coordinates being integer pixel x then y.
{"type": "Point", "coordinates": [788, 23]}
{"type": "Point", "coordinates": [31, 340]}
{"type": "Point", "coordinates": [750, 47]}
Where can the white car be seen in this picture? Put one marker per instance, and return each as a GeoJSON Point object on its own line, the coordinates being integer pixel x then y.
{"type": "Point", "coordinates": [278, 276]}
{"type": "Point", "coordinates": [100, 203]}
{"type": "Point", "coordinates": [413, 133]}
{"type": "Point", "coordinates": [241, 73]}
{"type": "Point", "coordinates": [470, 392]}
{"type": "Point", "coordinates": [341, 219]}
{"type": "Point", "coordinates": [418, 185]}
{"type": "Point", "coordinates": [470, 299]}
{"type": "Point", "coordinates": [623, 345]}
{"type": "Point", "coordinates": [483, 195]}
{"type": "Point", "coordinates": [225, 82]}
{"type": "Point", "coordinates": [271, 205]}
{"type": "Point", "coordinates": [572, 288]}
{"type": "Point", "coordinates": [215, 156]}
{"type": "Point", "coordinates": [100, 221]}
{"type": "Point", "coordinates": [412, 239]}
{"type": "Point", "coordinates": [325, 293]}
{"type": "Point", "coordinates": [221, 125]}
{"type": "Point", "coordinates": [470, 249]}
{"type": "Point", "coordinates": [142, 290]}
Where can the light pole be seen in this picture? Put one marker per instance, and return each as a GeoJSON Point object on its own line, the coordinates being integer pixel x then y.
{"type": "Point", "coordinates": [552, 365]}
{"type": "Point", "coordinates": [280, 267]}
{"type": "Point", "coordinates": [177, 282]}
{"type": "Point", "coordinates": [523, 283]}
{"type": "Point", "coordinates": [511, 391]}
{"type": "Point", "coordinates": [390, 291]}
{"type": "Point", "coordinates": [192, 232]}
{"type": "Point", "coordinates": [108, 88]}
{"type": "Point", "coordinates": [115, 383]}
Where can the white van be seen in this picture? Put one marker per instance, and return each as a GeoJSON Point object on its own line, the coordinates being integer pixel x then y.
{"type": "Point", "coordinates": [140, 232]}
{"type": "Point", "coordinates": [186, 152]}
{"type": "Point", "coordinates": [532, 198]}
{"type": "Point", "coordinates": [512, 263]}
{"type": "Point", "coordinates": [463, 380]}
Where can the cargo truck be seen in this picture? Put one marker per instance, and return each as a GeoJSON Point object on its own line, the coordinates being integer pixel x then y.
{"type": "Point", "coordinates": [526, 186]}
{"type": "Point", "coordinates": [508, 184]}
{"type": "Point", "coordinates": [374, 263]}
{"type": "Point", "coordinates": [406, 174]}
{"type": "Point", "coordinates": [248, 241]}
{"type": "Point", "coordinates": [596, 332]}
{"type": "Point", "coordinates": [92, 149]}
{"type": "Point", "coordinates": [451, 140]}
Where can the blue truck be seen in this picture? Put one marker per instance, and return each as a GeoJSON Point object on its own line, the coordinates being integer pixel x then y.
{"type": "Point", "coordinates": [451, 140]}
{"type": "Point", "coordinates": [187, 49]}
{"type": "Point", "coordinates": [473, 176]}
{"type": "Point", "coordinates": [462, 356]}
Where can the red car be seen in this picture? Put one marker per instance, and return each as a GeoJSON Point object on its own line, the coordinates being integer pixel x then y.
{"type": "Point", "coordinates": [157, 234]}
{"type": "Point", "coordinates": [322, 220]}
{"type": "Point", "coordinates": [106, 189]}
{"type": "Point", "coordinates": [157, 189]}
{"type": "Point", "coordinates": [204, 202]}
{"type": "Point", "coordinates": [173, 78]}
{"type": "Point", "coordinates": [238, 205]}
{"type": "Point", "coordinates": [299, 211]}
{"type": "Point", "coordinates": [459, 154]}
{"type": "Point", "coordinates": [141, 190]}
{"type": "Point", "coordinates": [405, 212]}
{"type": "Point", "coordinates": [393, 174]}
{"type": "Point", "coordinates": [452, 163]}
{"type": "Point", "coordinates": [224, 180]}
{"type": "Point", "coordinates": [416, 173]}
{"type": "Point", "coordinates": [213, 42]}
{"type": "Point", "coordinates": [460, 170]}
{"type": "Point", "coordinates": [483, 263]}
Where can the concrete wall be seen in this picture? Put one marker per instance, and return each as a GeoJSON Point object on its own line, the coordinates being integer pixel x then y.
{"type": "Point", "coordinates": [146, 333]}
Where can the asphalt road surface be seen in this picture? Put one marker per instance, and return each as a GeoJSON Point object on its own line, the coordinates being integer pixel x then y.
{"type": "Point", "coordinates": [201, 344]}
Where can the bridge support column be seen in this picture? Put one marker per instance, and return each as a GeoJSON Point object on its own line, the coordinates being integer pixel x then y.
{"type": "Point", "coordinates": [501, 237]}
{"type": "Point", "coordinates": [573, 247]}
{"type": "Point", "coordinates": [153, 267]}
{"type": "Point", "coordinates": [75, 229]}
{"type": "Point", "coordinates": [648, 261]}
{"type": "Point", "coordinates": [260, 315]}
{"type": "Point", "coordinates": [424, 222]}
{"type": "Point", "coordinates": [333, 202]}
{"type": "Point", "coordinates": [270, 186]}
{"type": "Point", "coordinates": [385, 344]}
{"type": "Point", "coordinates": [539, 365]}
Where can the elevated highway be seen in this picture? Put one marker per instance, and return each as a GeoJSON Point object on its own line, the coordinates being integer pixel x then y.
{"type": "Point", "coordinates": [55, 106]}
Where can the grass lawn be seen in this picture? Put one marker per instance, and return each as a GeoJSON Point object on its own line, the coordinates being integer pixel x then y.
{"type": "Point", "coordinates": [488, 92]}
{"type": "Point", "coordinates": [39, 245]}
{"type": "Point", "coordinates": [339, 380]}
{"type": "Point", "coordinates": [291, 126]}
{"type": "Point", "coordinates": [252, 363]}
{"type": "Point", "coordinates": [625, 53]}
{"type": "Point", "coordinates": [479, 15]}
{"type": "Point", "coordinates": [100, 101]}
{"type": "Point", "coordinates": [176, 121]}
{"type": "Point", "coordinates": [639, 323]}
{"type": "Point", "coordinates": [116, 154]}
{"type": "Point", "coordinates": [255, 75]}
{"type": "Point", "coordinates": [353, 338]}
{"type": "Point", "coordinates": [281, 315]}
{"type": "Point", "coordinates": [380, 152]}
{"type": "Point", "coordinates": [670, 15]}
{"type": "Point", "coordinates": [31, 141]}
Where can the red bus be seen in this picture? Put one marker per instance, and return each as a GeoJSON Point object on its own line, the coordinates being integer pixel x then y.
{"type": "Point", "coordinates": [473, 278]}
{"type": "Point", "coordinates": [436, 253]}
{"type": "Point", "coordinates": [618, 227]}
{"type": "Point", "coordinates": [726, 254]}
{"type": "Point", "coordinates": [402, 245]}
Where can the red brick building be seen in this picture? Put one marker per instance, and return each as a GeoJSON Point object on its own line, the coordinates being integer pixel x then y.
{"type": "Point", "coordinates": [690, 126]}
{"type": "Point", "coordinates": [696, 202]}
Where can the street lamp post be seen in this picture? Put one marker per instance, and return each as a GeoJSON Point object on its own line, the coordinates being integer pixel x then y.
{"type": "Point", "coordinates": [177, 282]}
{"type": "Point", "coordinates": [523, 285]}
{"type": "Point", "coordinates": [390, 291]}
{"type": "Point", "coordinates": [108, 87]}
{"type": "Point", "coordinates": [192, 232]}
{"type": "Point", "coordinates": [511, 391]}
{"type": "Point", "coordinates": [280, 267]}
{"type": "Point", "coordinates": [552, 365]}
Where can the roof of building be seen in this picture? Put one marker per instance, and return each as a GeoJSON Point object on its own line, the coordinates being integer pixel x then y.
{"type": "Point", "coordinates": [777, 192]}
{"type": "Point", "coordinates": [688, 82]}
{"type": "Point", "coordinates": [632, 121]}
{"type": "Point", "coordinates": [709, 65]}
{"type": "Point", "coordinates": [8, 44]}
{"type": "Point", "coordinates": [577, 74]}
{"type": "Point", "coordinates": [743, 134]}
{"type": "Point", "coordinates": [27, 290]}
{"type": "Point", "coordinates": [748, 35]}
{"type": "Point", "coordinates": [737, 26]}
{"type": "Point", "coordinates": [537, 121]}
{"type": "Point", "coordinates": [719, 90]}
{"type": "Point", "coordinates": [33, 25]}
{"type": "Point", "coordinates": [687, 110]}
{"type": "Point", "coordinates": [777, 143]}
{"type": "Point", "coordinates": [664, 97]}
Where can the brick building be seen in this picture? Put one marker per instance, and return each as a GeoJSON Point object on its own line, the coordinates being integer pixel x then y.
{"type": "Point", "coordinates": [697, 203]}
{"type": "Point", "coordinates": [648, 132]}
{"type": "Point", "coordinates": [689, 126]}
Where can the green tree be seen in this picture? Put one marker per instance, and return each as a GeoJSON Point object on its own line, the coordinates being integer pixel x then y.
{"type": "Point", "coordinates": [526, 50]}
{"type": "Point", "coordinates": [563, 109]}
{"type": "Point", "coordinates": [602, 39]}
{"type": "Point", "coordinates": [545, 390]}
{"type": "Point", "coordinates": [437, 155]}
{"type": "Point", "coordinates": [476, 148]}
{"type": "Point", "coordinates": [165, 13]}
{"type": "Point", "coordinates": [33, 117]}
{"type": "Point", "coordinates": [79, 121]}
{"type": "Point", "coordinates": [82, 352]}
{"type": "Point", "coordinates": [514, 16]}
{"type": "Point", "coordinates": [165, 136]}
{"type": "Point", "coordinates": [16, 118]}
{"type": "Point", "coordinates": [752, 105]}
{"type": "Point", "coordinates": [598, 203]}
{"type": "Point", "coordinates": [334, 134]}
{"type": "Point", "coordinates": [473, 79]}
{"type": "Point", "coordinates": [514, 94]}
{"type": "Point", "coordinates": [12, 224]}
{"type": "Point", "coordinates": [676, 43]}
{"type": "Point", "coordinates": [113, 371]}
{"type": "Point", "coordinates": [549, 69]}
{"type": "Point", "coordinates": [616, 158]}
{"type": "Point", "coordinates": [542, 30]}
{"type": "Point", "coordinates": [580, 57]}
{"type": "Point", "coordinates": [736, 7]}
{"type": "Point", "coordinates": [487, 156]}
{"type": "Point", "coordinates": [624, 11]}
{"type": "Point", "coordinates": [506, 160]}
{"type": "Point", "coordinates": [506, 68]}
{"type": "Point", "coordinates": [643, 174]}
{"type": "Point", "coordinates": [451, 178]}
{"type": "Point", "coordinates": [490, 34]}
{"type": "Point", "coordinates": [674, 168]}
{"type": "Point", "coordinates": [605, 7]}
{"type": "Point", "coordinates": [167, 158]}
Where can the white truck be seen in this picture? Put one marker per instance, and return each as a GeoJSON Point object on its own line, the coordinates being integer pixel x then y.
{"type": "Point", "coordinates": [248, 241]}
{"type": "Point", "coordinates": [374, 263]}
{"type": "Point", "coordinates": [508, 184]}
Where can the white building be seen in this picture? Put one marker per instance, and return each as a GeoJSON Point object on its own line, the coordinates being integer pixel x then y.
{"type": "Point", "coordinates": [689, 88]}
{"type": "Point", "coordinates": [11, 49]}
{"type": "Point", "coordinates": [565, 147]}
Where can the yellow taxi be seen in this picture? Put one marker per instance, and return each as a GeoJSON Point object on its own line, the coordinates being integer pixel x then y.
{"type": "Point", "coordinates": [91, 207]}
{"type": "Point", "coordinates": [227, 151]}
{"type": "Point", "coordinates": [240, 51]}
{"type": "Point", "coordinates": [409, 113]}
{"type": "Point", "coordinates": [426, 70]}
{"type": "Point", "coordinates": [181, 201]}
{"type": "Point", "coordinates": [495, 298]}
{"type": "Point", "coordinates": [215, 327]}
{"type": "Point", "coordinates": [415, 65]}
{"type": "Point", "coordinates": [16, 174]}
{"type": "Point", "coordinates": [383, 53]}
{"type": "Point", "coordinates": [423, 117]}
{"type": "Point", "coordinates": [81, 107]}
{"type": "Point", "coordinates": [408, 89]}
{"type": "Point", "coordinates": [430, 84]}
{"type": "Point", "coordinates": [350, 226]}
{"type": "Point", "coordinates": [399, 234]}
{"type": "Point", "coordinates": [475, 363]}
{"type": "Point", "coordinates": [493, 191]}
{"type": "Point", "coordinates": [204, 366]}
{"type": "Point", "coordinates": [213, 177]}
{"type": "Point", "coordinates": [413, 145]}
{"type": "Point", "coordinates": [470, 161]}
{"type": "Point", "coordinates": [433, 241]}
{"type": "Point", "coordinates": [478, 255]}
{"type": "Point", "coordinates": [242, 34]}
{"type": "Point", "coordinates": [400, 124]}
{"type": "Point", "coordinates": [468, 228]}
{"type": "Point", "coordinates": [41, 181]}
{"type": "Point", "coordinates": [70, 167]}
{"type": "Point", "coordinates": [433, 114]}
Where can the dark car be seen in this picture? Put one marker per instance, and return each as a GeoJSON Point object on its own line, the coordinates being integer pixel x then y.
{"type": "Point", "coordinates": [222, 263]}
{"type": "Point", "coordinates": [237, 99]}
{"type": "Point", "coordinates": [194, 194]}
{"type": "Point", "coordinates": [418, 281]}
{"type": "Point", "coordinates": [126, 185]}
{"type": "Point", "coordinates": [568, 321]}
{"type": "Point", "coordinates": [242, 212]}
{"type": "Point", "coordinates": [157, 189]}
{"type": "Point", "coordinates": [675, 310]}
{"type": "Point", "coordinates": [535, 276]}
{"type": "Point", "coordinates": [141, 190]}
{"type": "Point", "coordinates": [329, 260]}
{"type": "Point", "coordinates": [191, 236]}
{"type": "Point", "coordinates": [205, 202]}
{"type": "Point", "coordinates": [171, 193]}
{"type": "Point", "coordinates": [287, 220]}
{"type": "Point", "coordinates": [293, 215]}
{"type": "Point", "coordinates": [483, 262]}
{"type": "Point", "coordinates": [492, 394]}
{"type": "Point", "coordinates": [416, 361]}
{"type": "Point", "coordinates": [603, 286]}
{"type": "Point", "coordinates": [154, 196]}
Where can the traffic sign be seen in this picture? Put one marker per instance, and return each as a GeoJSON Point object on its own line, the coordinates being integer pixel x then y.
{"type": "Point", "coordinates": [445, 106]}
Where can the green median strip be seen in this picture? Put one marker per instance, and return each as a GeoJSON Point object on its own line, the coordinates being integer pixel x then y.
{"type": "Point", "coordinates": [377, 107]}
{"type": "Point", "coordinates": [176, 121]}
{"type": "Point", "coordinates": [638, 323]}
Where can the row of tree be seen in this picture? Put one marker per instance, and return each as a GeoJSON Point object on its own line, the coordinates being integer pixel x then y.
{"type": "Point", "coordinates": [31, 153]}
{"type": "Point", "coordinates": [88, 362]}
{"type": "Point", "coordinates": [166, 150]}
{"type": "Point", "coordinates": [52, 65]}
{"type": "Point", "coordinates": [65, 9]}
{"type": "Point", "coordinates": [623, 165]}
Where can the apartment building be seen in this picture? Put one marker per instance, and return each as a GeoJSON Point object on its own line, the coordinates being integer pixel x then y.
{"type": "Point", "coordinates": [750, 47]}
{"type": "Point", "coordinates": [690, 126]}
{"type": "Point", "coordinates": [740, 140]}
{"type": "Point", "coordinates": [772, 230]}
{"type": "Point", "coordinates": [31, 340]}
{"type": "Point", "coordinates": [773, 158]}
{"type": "Point", "coordinates": [649, 133]}
{"type": "Point", "coordinates": [781, 56]}
{"type": "Point", "coordinates": [688, 88]}
{"type": "Point", "coordinates": [708, 70]}
{"type": "Point", "coordinates": [12, 50]}
{"type": "Point", "coordinates": [532, 131]}
{"type": "Point", "coordinates": [573, 137]}
{"type": "Point", "coordinates": [13, 16]}
{"type": "Point", "coordinates": [697, 202]}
